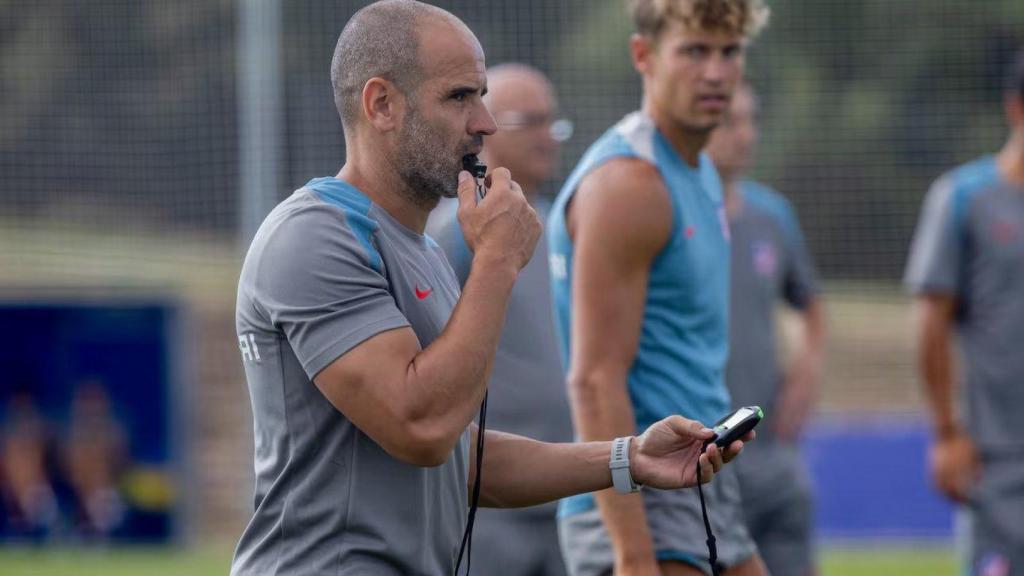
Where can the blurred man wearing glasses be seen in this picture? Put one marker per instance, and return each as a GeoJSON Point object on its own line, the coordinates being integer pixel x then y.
{"type": "Point", "coordinates": [527, 391]}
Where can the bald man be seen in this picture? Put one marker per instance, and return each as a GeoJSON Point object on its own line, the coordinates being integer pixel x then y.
{"type": "Point", "coordinates": [365, 365]}
{"type": "Point", "coordinates": [527, 386]}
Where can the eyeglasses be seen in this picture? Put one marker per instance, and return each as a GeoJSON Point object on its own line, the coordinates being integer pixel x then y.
{"type": "Point", "coordinates": [560, 129]}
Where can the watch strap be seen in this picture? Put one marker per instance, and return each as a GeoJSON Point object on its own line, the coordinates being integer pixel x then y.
{"type": "Point", "coordinates": [622, 479]}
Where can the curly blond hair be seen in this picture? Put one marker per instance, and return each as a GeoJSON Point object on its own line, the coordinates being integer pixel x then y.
{"type": "Point", "coordinates": [743, 17]}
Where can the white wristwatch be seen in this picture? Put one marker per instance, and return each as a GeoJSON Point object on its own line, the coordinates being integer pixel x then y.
{"type": "Point", "coordinates": [622, 479]}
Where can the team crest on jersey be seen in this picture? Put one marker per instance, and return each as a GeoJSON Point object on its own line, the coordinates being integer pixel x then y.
{"type": "Point", "coordinates": [766, 260]}
{"type": "Point", "coordinates": [993, 565]}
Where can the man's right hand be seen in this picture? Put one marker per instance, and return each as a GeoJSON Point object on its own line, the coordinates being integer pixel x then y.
{"type": "Point", "coordinates": [502, 226]}
{"type": "Point", "coordinates": [955, 466]}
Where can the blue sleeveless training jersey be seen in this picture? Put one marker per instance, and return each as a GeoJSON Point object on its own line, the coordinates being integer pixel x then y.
{"type": "Point", "coordinates": [680, 363]}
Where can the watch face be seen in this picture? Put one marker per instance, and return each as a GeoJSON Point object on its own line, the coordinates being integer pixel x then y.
{"type": "Point", "coordinates": [740, 415]}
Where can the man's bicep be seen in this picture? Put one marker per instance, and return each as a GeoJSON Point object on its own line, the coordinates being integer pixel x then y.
{"type": "Point", "coordinates": [622, 221]}
{"type": "Point", "coordinates": [608, 312]}
{"type": "Point", "coordinates": [365, 382]}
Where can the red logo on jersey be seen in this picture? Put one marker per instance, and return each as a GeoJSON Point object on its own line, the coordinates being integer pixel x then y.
{"type": "Point", "coordinates": [422, 294]}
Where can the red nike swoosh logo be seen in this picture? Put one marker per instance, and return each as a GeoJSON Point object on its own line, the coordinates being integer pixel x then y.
{"type": "Point", "coordinates": [422, 294]}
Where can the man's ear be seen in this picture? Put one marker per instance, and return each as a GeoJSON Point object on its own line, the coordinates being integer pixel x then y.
{"type": "Point", "coordinates": [382, 104]}
{"type": "Point", "coordinates": [641, 48]}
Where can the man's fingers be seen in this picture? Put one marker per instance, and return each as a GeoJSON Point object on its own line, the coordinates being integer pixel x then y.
{"type": "Point", "coordinates": [501, 174]}
{"type": "Point", "coordinates": [516, 188]}
{"type": "Point", "coordinates": [467, 189]}
{"type": "Point", "coordinates": [714, 456]}
{"type": "Point", "coordinates": [688, 428]}
{"type": "Point", "coordinates": [707, 471]}
{"type": "Point", "coordinates": [733, 451]}
{"type": "Point", "coordinates": [496, 177]}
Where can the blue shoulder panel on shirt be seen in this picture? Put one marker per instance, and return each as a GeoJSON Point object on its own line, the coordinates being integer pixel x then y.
{"type": "Point", "coordinates": [968, 180]}
{"type": "Point", "coordinates": [357, 208]}
{"type": "Point", "coordinates": [431, 242]}
{"type": "Point", "coordinates": [767, 200]}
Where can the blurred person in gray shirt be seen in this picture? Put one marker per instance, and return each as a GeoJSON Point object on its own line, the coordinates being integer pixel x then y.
{"type": "Point", "coordinates": [966, 270]}
{"type": "Point", "coordinates": [527, 386]}
{"type": "Point", "coordinates": [770, 265]}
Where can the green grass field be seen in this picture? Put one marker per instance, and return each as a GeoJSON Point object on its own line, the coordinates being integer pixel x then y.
{"type": "Point", "coordinates": [143, 562]}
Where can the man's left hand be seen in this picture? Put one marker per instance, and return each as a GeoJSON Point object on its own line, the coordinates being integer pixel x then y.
{"type": "Point", "coordinates": [665, 456]}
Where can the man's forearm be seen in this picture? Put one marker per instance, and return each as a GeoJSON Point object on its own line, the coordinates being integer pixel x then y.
{"type": "Point", "coordinates": [521, 472]}
{"type": "Point", "coordinates": [799, 392]}
{"type": "Point", "coordinates": [935, 359]}
{"type": "Point", "coordinates": [448, 378]}
{"type": "Point", "coordinates": [937, 371]}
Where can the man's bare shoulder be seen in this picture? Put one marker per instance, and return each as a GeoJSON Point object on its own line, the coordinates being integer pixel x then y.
{"type": "Point", "coordinates": [626, 194]}
{"type": "Point", "coordinates": [634, 175]}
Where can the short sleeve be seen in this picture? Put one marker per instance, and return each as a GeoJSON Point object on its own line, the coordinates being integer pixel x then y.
{"type": "Point", "coordinates": [800, 285]}
{"type": "Point", "coordinates": [321, 282]}
{"type": "Point", "coordinates": [936, 255]}
{"type": "Point", "coordinates": [443, 227]}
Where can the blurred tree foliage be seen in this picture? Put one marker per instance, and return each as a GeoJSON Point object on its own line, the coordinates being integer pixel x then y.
{"type": "Point", "coordinates": [126, 109]}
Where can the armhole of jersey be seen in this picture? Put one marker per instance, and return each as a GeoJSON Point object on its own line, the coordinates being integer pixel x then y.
{"type": "Point", "coordinates": [575, 180]}
{"type": "Point", "coordinates": [674, 229]}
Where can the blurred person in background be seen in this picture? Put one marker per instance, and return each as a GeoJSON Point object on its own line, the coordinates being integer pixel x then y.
{"type": "Point", "coordinates": [28, 502]}
{"type": "Point", "coordinates": [527, 385]}
{"type": "Point", "coordinates": [770, 265]}
{"type": "Point", "coordinates": [966, 270]}
{"type": "Point", "coordinates": [364, 360]}
{"type": "Point", "coordinates": [96, 455]}
{"type": "Point", "coordinates": [640, 272]}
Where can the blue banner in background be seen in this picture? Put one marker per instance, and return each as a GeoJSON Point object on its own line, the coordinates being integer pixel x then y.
{"type": "Point", "coordinates": [871, 479]}
{"type": "Point", "coordinates": [87, 423]}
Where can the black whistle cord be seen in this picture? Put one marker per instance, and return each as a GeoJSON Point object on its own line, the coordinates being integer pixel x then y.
{"type": "Point", "coordinates": [712, 548]}
{"type": "Point", "coordinates": [467, 536]}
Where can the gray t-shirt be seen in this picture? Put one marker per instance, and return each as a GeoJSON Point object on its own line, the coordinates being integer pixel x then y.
{"type": "Point", "coordinates": [970, 244]}
{"type": "Point", "coordinates": [770, 263]}
{"type": "Point", "coordinates": [326, 271]}
{"type": "Point", "coordinates": [527, 386]}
